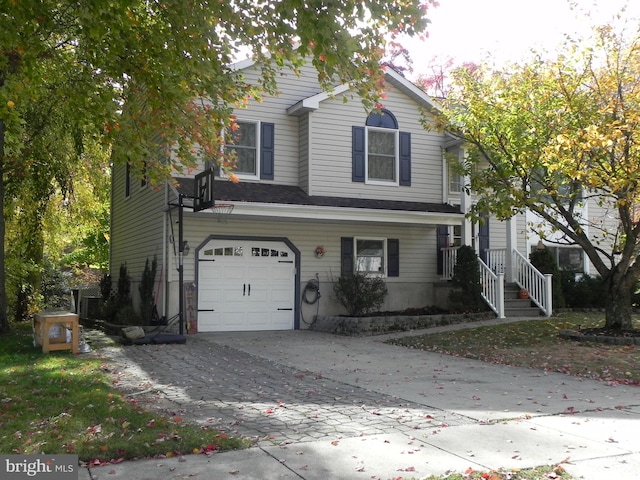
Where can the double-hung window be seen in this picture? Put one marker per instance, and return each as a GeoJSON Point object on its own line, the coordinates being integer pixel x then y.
{"type": "Point", "coordinates": [370, 254]}
{"type": "Point", "coordinates": [382, 155]}
{"type": "Point", "coordinates": [455, 181]}
{"type": "Point", "coordinates": [252, 145]}
{"type": "Point", "coordinates": [245, 147]}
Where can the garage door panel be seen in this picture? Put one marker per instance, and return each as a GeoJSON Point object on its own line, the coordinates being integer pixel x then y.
{"type": "Point", "coordinates": [209, 272]}
{"type": "Point", "coordinates": [234, 274]}
{"type": "Point", "coordinates": [249, 286]}
{"type": "Point", "coordinates": [258, 320]}
{"type": "Point", "coordinates": [281, 320]}
{"type": "Point", "coordinates": [234, 321]}
{"type": "Point", "coordinates": [259, 272]}
{"type": "Point", "coordinates": [281, 297]}
{"type": "Point", "coordinates": [282, 273]}
{"type": "Point", "coordinates": [209, 321]}
{"type": "Point", "coordinates": [259, 294]}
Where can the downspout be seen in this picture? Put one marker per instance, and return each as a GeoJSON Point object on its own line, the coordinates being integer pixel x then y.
{"type": "Point", "coordinates": [511, 245]}
{"type": "Point", "coordinates": [165, 246]}
{"type": "Point", "coordinates": [445, 175]}
{"type": "Point", "coordinates": [181, 263]}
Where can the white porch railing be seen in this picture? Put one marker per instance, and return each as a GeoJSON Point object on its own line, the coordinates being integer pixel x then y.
{"type": "Point", "coordinates": [529, 278]}
{"type": "Point", "coordinates": [492, 275]}
{"type": "Point", "coordinates": [497, 259]}
{"type": "Point", "coordinates": [449, 257]}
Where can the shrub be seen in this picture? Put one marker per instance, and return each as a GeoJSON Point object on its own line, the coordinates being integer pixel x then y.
{"type": "Point", "coordinates": [586, 292]}
{"type": "Point", "coordinates": [147, 284]}
{"type": "Point", "coordinates": [359, 293]}
{"type": "Point", "coordinates": [545, 262]}
{"type": "Point", "coordinates": [117, 306]}
{"type": "Point", "coordinates": [466, 278]}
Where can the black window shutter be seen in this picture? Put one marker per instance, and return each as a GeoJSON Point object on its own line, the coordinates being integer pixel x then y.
{"type": "Point", "coordinates": [442, 242]}
{"type": "Point", "coordinates": [405, 158]}
{"type": "Point", "coordinates": [358, 154]}
{"type": "Point", "coordinates": [393, 262]}
{"type": "Point", "coordinates": [267, 150]}
{"type": "Point", "coordinates": [346, 255]}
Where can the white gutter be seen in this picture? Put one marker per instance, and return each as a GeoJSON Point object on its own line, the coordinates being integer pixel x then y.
{"type": "Point", "coordinates": [342, 214]}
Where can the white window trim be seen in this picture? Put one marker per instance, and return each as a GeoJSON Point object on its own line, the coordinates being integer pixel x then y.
{"type": "Point", "coordinates": [385, 261]}
{"type": "Point", "coordinates": [377, 181]}
{"type": "Point", "coordinates": [245, 175]}
{"type": "Point", "coordinates": [450, 176]}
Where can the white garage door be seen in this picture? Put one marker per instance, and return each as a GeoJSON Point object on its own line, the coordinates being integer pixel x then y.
{"type": "Point", "coordinates": [245, 285]}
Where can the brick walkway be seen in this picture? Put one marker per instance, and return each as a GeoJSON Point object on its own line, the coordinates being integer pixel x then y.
{"type": "Point", "coordinates": [246, 395]}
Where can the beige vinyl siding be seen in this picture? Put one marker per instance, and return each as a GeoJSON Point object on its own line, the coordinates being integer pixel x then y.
{"type": "Point", "coordinates": [332, 152]}
{"type": "Point", "coordinates": [417, 271]}
{"type": "Point", "coordinates": [600, 218]}
{"type": "Point", "coordinates": [136, 227]}
{"type": "Point", "coordinates": [288, 141]}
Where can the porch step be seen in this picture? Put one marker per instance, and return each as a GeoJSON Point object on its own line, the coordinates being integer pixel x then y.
{"type": "Point", "coordinates": [517, 307]}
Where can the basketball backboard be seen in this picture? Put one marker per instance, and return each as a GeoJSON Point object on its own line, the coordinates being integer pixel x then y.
{"type": "Point", "coordinates": [203, 191]}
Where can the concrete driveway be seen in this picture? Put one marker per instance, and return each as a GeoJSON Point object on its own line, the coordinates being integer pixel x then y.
{"type": "Point", "coordinates": [319, 406]}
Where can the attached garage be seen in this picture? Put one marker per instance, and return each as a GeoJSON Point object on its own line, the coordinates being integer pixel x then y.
{"type": "Point", "coordinates": [246, 285]}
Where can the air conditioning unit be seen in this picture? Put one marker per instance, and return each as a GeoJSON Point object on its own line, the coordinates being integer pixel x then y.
{"type": "Point", "coordinates": [90, 307]}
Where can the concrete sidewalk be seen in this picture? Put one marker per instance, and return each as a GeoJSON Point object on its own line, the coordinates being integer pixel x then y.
{"type": "Point", "coordinates": [325, 407]}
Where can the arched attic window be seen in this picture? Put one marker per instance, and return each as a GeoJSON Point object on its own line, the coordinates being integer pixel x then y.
{"type": "Point", "coordinates": [381, 153]}
{"type": "Point", "coordinates": [382, 119]}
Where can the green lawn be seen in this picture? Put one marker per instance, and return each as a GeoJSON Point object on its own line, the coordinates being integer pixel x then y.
{"type": "Point", "coordinates": [61, 403]}
{"type": "Point", "coordinates": [536, 344]}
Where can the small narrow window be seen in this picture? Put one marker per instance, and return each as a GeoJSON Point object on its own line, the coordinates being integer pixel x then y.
{"type": "Point", "coordinates": [127, 180]}
{"type": "Point", "coordinates": [455, 182]}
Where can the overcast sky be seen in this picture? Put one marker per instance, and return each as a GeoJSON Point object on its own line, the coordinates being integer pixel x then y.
{"type": "Point", "coordinates": [506, 30]}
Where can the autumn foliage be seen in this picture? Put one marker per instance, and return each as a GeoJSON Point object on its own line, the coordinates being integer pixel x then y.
{"type": "Point", "coordinates": [560, 138]}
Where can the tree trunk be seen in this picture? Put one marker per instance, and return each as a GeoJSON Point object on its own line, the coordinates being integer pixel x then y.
{"type": "Point", "coordinates": [4, 320]}
{"type": "Point", "coordinates": [618, 305]}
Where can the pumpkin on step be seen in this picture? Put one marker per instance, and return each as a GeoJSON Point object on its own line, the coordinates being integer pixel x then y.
{"type": "Point", "coordinates": [523, 294]}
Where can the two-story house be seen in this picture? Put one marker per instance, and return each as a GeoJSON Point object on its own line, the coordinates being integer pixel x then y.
{"type": "Point", "coordinates": [325, 189]}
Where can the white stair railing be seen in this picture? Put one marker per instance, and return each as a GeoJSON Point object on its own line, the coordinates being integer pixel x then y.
{"type": "Point", "coordinates": [492, 274]}
{"type": "Point", "coordinates": [537, 284]}
{"type": "Point", "coordinates": [492, 288]}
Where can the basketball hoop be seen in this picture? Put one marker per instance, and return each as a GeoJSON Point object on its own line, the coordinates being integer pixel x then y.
{"type": "Point", "coordinates": [222, 211]}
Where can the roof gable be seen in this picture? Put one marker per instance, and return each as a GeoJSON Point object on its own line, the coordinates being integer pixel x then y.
{"type": "Point", "coordinates": [392, 77]}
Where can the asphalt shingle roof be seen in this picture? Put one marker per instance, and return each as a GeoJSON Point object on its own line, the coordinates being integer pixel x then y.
{"type": "Point", "coordinates": [226, 191]}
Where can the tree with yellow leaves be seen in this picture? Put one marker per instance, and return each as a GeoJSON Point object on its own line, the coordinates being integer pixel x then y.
{"type": "Point", "coordinates": [554, 136]}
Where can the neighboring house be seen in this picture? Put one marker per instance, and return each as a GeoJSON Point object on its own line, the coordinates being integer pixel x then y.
{"type": "Point", "coordinates": [325, 189]}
